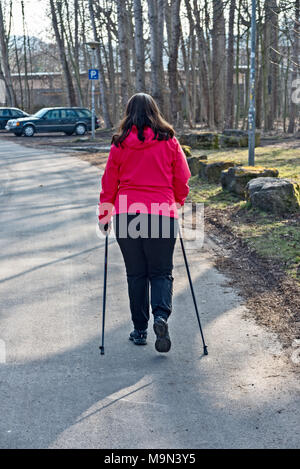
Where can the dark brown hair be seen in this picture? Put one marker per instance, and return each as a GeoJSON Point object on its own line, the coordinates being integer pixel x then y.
{"type": "Point", "coordinates": [142, 111]}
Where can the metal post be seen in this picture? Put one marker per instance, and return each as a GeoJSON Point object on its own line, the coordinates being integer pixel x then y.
{"type": "Point", "coordinates": [251, 114]}
{"type": "Point", "coordinates": [93, 96]}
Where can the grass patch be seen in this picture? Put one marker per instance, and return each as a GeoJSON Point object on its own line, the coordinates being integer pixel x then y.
{"type": "Point", "coordinates": [277, 239]}
{"type": "Point", "coordinates": [211, 194]}
{"type": "Point", "coordinates": [273, 237]}
{"type": "Point", "coordinates": [286, 160]}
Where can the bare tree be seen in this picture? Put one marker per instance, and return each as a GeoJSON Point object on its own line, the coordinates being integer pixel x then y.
{"type": "Point", "coordinates": [123, 50]}
{"type": "Point", "coordinates": [230, 68]}
{"type": "Point", "coordinates": [4, 63]}
{"type": "Point", "coordinates": [139, 46]}
{"type": "Point", "coordinates": [156, 50]}
{"type": "Point", "coordinates": [296, 65]}
{"type": "Point", "coordinates": [203, 66]}
{"type": "Point", "coordinates": [173, 58]}
{"type": "Point", "coordinates": [271, 62]}
{"type": "Point", "coordinates": [218, 61]}
{"type": "Point", "coordinates": [62, 52]}
{"type": "Point", "coordinates": [103, 86]}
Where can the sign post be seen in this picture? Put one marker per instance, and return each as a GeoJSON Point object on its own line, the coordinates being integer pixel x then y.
{"type": "Point", "coordinates": [93, 75]}
{"type": "Point", "coordinates": [251, 114]}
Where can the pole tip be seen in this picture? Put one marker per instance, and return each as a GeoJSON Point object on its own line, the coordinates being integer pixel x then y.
{"type": "Point", "coordinates": [102, 350]}
{"type": "Point", "coordinates": [205, 350]}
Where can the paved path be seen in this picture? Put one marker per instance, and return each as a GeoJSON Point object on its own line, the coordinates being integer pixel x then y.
{"type": "Point", "coordinates": [58, 392]}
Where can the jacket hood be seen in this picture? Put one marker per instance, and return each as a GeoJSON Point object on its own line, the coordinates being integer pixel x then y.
{"type": "Point", "coordinates": [132, 140]}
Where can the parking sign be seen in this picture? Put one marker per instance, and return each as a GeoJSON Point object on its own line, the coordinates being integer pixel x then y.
{"type": "Point", "coordinates": [93, 74]}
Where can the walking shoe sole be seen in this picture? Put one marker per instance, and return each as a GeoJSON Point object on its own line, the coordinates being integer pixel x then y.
{"type": "Point", "coordinates": [140, 342]}
{"type": "Point", "coordinates": [163, 342]}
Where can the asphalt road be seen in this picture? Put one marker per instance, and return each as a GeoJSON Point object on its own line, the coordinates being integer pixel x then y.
{"type": "Point", "coordinates": [56, 391]}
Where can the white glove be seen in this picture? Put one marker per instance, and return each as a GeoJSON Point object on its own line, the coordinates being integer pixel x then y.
{"type": "Point", "coordinates": [105, 229]}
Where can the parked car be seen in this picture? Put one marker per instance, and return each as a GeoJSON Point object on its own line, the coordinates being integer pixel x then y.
{"type": "Point", "coordinates": [7, 113]}
{"type": "Point", "coordinates": [59, 119]}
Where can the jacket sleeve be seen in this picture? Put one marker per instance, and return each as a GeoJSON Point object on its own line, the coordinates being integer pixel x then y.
{"type": "Point", "coordinates": [110, 185]}
{"type": "Point", "coordinates": [181, 174]}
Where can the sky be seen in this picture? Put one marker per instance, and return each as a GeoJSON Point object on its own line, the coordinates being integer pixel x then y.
{"type": "Point", "coordinates": [36, 17]}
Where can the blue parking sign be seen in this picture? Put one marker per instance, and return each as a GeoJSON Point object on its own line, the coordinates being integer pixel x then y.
{"type": "Point", "coordinates": [93, 74]}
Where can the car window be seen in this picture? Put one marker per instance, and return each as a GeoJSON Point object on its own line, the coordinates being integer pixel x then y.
{"type": "Point", "coordinates": [54, 114]}
{"type": "Point", "coordinates": [84, 113]}
{"type": "Point", "coordinates": [17, 113]}
{"type": "Point", "coordinates": [68, 114]}
{"type": "Point", "coordinates": [40, 113]}
{"type": "Point", "coordinates": [5, 113]}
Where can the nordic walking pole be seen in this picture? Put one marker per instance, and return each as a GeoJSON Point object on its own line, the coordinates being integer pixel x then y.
{"type": "Point", "coordinates": [193, 293]}
{"type": "Point", "coordinates": [104, 293]}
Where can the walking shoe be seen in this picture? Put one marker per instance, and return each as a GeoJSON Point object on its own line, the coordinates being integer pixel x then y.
{"type": "Point", "coordinates": [138, 337]}
{"type": "Point", "coordinates": [163, 341]}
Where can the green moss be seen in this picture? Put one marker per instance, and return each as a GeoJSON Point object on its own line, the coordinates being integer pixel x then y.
{"type": "Point", "coordinates": [187, 150]}
{"type": "Point", "coordinates": [271, 236]}
{"type": "Point", "coordinates": [297, 191]}
{"type": "Point", "coordinates": [216, 144]}
{"type": "Point", "coordinates": [211, 194]}
{"type": "Point", "coordinates": [287, 161]}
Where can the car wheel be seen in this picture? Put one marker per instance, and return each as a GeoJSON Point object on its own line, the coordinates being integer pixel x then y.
{"type": "Point", "coordinates": [29, 131]}
{"type": "Point", "coordinates": [80, 129]}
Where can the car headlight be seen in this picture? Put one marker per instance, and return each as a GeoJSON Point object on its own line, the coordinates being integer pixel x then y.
{"type": "Point", "coordinates": [12, 123]}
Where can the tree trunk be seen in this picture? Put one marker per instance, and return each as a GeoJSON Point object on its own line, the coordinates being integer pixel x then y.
{"type": "Point", "coordinates": [271, 42]}
{"type": "Point", "coordinates": [102, 82]}
{"type": "Point", "coordinates": [160, 31]}
{"type": "Point", "coordinates": [237, 68]}
{"type": "Point", "coordinates": [19, 72]}
{"type": "Point", "coordinates": [4, 63]}
{"type": "Point", "coordinates": [26, 82]}
{"type": "Point", "coordinates": [139, 47]}
{"type": "Point", "coordinates": [286, 79]}
{"type": "Point", "coordinates": [203, 67]}
{"type": "Point", "coordinates": [63, 58]}
{"type": "Point", "coordinates": [295, 64]}
{"type": "Point", "coordinates": [230, 69]}
{"type": "Point", "coordinates": [259, 82]}
{"type": "Point", "coordinates": [123, 52]}
{"type": "Point", "coordinates": [155, 43]}
{"type": "Point", "coordinates": [173, 57]}
{"type": "Point", "coordinates": [218, 62]}
{"type": "Point", "coordinates": [112, 73]}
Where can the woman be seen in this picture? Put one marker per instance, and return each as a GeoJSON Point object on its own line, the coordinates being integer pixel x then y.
{"type": "Point", "coordinates": [144, 183]}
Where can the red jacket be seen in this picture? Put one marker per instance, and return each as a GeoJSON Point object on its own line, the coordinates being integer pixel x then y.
{"type": "Point", "coordinates": [144, 177]}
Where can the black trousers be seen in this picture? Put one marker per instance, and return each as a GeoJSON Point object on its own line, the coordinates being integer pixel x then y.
{"type": "Point", "coordinates": [147, 244]}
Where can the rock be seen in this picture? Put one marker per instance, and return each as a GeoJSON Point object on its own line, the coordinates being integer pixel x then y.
{"type": "Point", "coordinates": [237, 138]}
{"type": "Point", "coordinates": [212, 171]}
{"type": "Point", "coordinates": [200, 140]}
{"type": "Point", "coordinates": [235, 179]}
{"type": "Point", "coordinates": [202, 168]}
{"type": "Point", "coordinates": [194, 165]}
{"type": "Point", "coordinates": [274, 195]}
{"type": "Point", "coordinates": [202, 157]}
{"type": "Point", "coordinates": [235, 132]}
{"type": "Point", "coordinates": [187, 150]}
{"type": "Point", "coordinates": [212, 140]}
